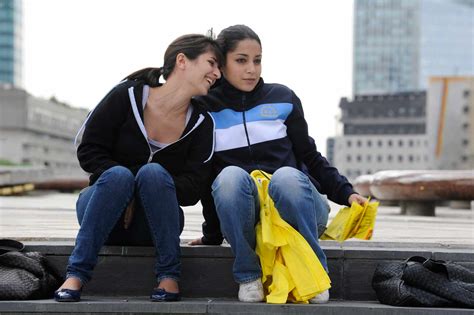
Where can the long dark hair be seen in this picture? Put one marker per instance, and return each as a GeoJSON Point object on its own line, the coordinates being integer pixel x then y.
{"type": "Point", "coordinates": [229, 38]}
{"type": "Point", "coordinates": [191, 45]}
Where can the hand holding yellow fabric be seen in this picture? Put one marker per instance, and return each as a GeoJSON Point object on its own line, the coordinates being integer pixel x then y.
{"type": "Point", "coordinates": [357, 221]}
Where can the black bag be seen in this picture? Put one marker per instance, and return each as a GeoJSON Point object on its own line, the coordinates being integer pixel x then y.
{"type": "Point", "coordinates": [25, 276]}
{"type": "Point", "coordinates": [418, 281]}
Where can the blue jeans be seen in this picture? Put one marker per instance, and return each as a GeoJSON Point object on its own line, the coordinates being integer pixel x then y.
{"type": "Point", "coordinates": [157, 216]}
{"type": "Point", "coordinates": [237, 204]}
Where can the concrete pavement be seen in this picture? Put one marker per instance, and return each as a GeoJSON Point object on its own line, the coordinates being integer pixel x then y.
{"type": "Point", "coordinates": [49, 215]}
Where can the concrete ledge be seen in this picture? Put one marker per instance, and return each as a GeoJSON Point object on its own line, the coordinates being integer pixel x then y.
{"type": "Point", "coordinates": [141, 305]}
{"type": "Point", "coordinates": [207, 270]}
{"type": "Point", "coordinates": [419, 190]}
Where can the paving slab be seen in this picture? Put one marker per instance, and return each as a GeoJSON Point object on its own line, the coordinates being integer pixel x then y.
{"type": "Point", "coordinates": [141, 305]}
{"type": "Point", "coordinates": [51, 216]}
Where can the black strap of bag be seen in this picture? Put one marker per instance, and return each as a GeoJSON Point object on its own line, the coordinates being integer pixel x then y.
{"type": "Point", "coordinates": [25, 276]}
{"type": "Point", "coordinates": [418, 281]}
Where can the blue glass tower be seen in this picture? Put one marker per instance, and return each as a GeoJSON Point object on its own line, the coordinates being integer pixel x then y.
{"type": "Point", "coordinates": [399, 44]}
{"type": "Point", "coordinates": [11, 50]}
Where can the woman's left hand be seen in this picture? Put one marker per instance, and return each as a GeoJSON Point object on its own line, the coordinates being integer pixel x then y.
{"type": "Point", "coordinates": [357, 198]}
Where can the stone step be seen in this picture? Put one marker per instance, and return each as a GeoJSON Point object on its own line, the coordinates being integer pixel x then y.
{"type": "Point", "coordinates": [141, 305]}
{"type": "Point", "coordinates": [207, 270]}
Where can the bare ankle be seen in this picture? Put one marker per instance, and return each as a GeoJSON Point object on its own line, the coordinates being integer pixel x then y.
{"type": "Point", "coordinates": [169, 285]}
{"type": "Point", "coordinates": [72, 283]}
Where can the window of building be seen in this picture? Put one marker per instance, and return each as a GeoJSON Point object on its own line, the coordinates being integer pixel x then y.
{"type": "Point", "coordinates": [465, 109]}
{"type": "Point", "coordinates": [466, 93]}
{"type": "Point", "coordinates": [359, 158]}
{"type": "Point", "coordinates": [379, 158]}
{"type": "Point", "coordinates": [400, 143]}
{"type": "Point", "coordinates": [465, 142]}
{"type": "Point", "coordinates": [464, 158]}
{"type": "Point", "coordinates": [389, 143]}
{"type": "Point", "coordinates": [369, 158]}
{"type": "Point", "coordinates": [400, 158]}
{"type": "Point", "coordinates": [389, 158]}
{"type": "Point", "coordinates": [410, 143]}
{"type": "Point", "coordinates": [369, 143]}
{"type": "Point", "coordinates": [359, 143]}
{"type": "Point", "coordinates": [465, 126]}
{"type": "Point", "coordinates": [379, 143]}
{"type": "Point", "coordinates": [410, 158]}
{"type": "Point", "coordinates": [348, 158]}
{"type": "Point", "coordinates": [349, 143]}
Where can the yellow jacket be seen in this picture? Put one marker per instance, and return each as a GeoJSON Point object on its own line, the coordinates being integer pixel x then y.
{"type": "Point", "coordinates": [291, 269]}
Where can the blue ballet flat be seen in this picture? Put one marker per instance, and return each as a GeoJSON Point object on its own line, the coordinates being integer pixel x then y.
{"type": "Point", "coordinates": [67, 295]}
{"type": "Point", "coordinates": [160, 295]}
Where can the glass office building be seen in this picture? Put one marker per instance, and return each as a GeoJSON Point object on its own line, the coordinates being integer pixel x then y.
{"type": "Point", "coordinates": [399, 44]}
{"type": "Point", "coordinates": [11, 60]}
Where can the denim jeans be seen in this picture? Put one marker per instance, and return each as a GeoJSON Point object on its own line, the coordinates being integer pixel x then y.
{"type": "Point", "coordinates": [158, 219]}
{"type": "Point", "coordinates": [237, 204]}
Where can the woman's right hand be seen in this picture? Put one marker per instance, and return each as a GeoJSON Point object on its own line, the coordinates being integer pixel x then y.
{"type": "Point", "coordinates": [197, 241]}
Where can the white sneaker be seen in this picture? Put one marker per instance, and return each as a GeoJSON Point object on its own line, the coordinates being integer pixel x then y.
{"type": "Point", "coordinates": [321, 298]}
{"type": "Point", "coordinates": [251, 291]}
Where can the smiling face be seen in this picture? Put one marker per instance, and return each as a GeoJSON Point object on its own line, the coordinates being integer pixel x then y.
{"type": "Point", "coordinates": [244, 65]}
{"type": "Point", "coordinates": [203, 72]}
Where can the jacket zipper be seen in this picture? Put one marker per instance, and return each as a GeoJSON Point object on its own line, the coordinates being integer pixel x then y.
{"type": "Point", "coordinates": [254, 161]}
{"type": "Point", "coordinates": [245, 126]}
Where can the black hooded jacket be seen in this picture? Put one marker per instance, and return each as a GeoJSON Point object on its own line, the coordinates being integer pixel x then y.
{"type": "Point", "coordinates": [114, 135]}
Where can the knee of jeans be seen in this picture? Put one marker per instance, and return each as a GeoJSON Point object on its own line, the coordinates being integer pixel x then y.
{"type": "Point", "coordinates": [119, 175]}
{"type": "Point", "coordinates": [287, 179]}
{"type": "Point", "coordinates": [231, 176]}
{"type": "Point", "coordinates": [155, 173]}
{"type": "Point", "coordinates": [231, 184]}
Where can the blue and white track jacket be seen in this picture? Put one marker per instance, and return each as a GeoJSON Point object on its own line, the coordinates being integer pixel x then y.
{"type": "Point", "coordinates": [266, 129]}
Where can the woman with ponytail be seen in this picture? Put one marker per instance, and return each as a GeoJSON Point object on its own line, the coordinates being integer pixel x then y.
{"type": "Point", "coordinates": [147, 147]}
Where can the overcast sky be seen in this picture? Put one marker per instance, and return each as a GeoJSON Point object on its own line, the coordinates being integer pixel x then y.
{"type": "Point", "coordinates": [78, 50]}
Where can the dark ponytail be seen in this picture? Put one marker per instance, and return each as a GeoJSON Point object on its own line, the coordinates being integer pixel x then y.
{"type": "Point", "coordinates": [192, 46]}
{"type": "Point", "coordinates": [151, 76]}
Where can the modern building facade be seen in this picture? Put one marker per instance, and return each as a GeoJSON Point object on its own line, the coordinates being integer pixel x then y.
{"type": "Point", "coordinates": [38, 132]}
{"type": "Point", "coordinates": [399, 44]}
{"type": "Point", "coordinates": [450, 122]}
{"type": "Point", "coordinates": [381, 132]}
{"type": "Point", "coordinates": [11, 42]}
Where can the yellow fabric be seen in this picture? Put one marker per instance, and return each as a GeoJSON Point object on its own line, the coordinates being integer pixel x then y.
{"type": "Point", "coordinates": [291, 270]}
{"type": "Point", "coordinates": [357, 221]}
